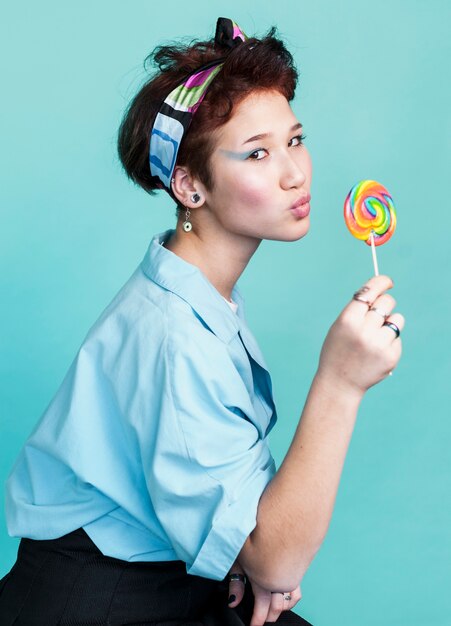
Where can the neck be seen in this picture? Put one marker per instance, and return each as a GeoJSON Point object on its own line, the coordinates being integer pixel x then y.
{"type": "Point", "coordinates": [222, 257]}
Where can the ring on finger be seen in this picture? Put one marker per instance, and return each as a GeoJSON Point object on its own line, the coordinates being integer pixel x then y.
{"type": "Point", "coordinates": [379, 312]}
{"type": "Point", "coordinates": [394, 328]}
{"type": "Point", "coordinates": [287, 596]}
{"type": "Point", "coordinates": [240, 577]}
{"type": "Point", "coordinates": [359, 298]}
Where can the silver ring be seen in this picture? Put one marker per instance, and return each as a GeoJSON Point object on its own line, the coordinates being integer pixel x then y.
{"type": "Point", "coordinates": [394, 328]}
{"type": "Point", "coordinates": [240, 577]}
{"type": "Point", "coordinates": [287, 596]}
{"type": "Point", "coordinates": [364, 300]}
{"type": "Point", "coordinates": [379, 312]}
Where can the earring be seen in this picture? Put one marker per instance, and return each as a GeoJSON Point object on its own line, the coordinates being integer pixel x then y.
{"type": "Point", "coordinates": [187, 226]}
{"type": "Point", "coordinates": [195, 197]}
{"type": "Point", "coordinates": [172, 180]}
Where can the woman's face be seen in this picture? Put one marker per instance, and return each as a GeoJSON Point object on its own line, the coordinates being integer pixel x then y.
{"type": "Point", "coordinates": [261, 172]}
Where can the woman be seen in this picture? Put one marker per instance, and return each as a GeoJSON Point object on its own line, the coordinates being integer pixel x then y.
{"type": "Point", "coordinates": [149, 477]}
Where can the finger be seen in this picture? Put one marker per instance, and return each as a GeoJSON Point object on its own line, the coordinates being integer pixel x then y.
{"type": "Point", "coordinates": [236, 587]}
{"type": "Point", "coordinates": [393, 343]}
{"type": "Point", "coordinates": [276, 607]}
{"type": "Point", "coordinates": [296, 595]}
{"type": "Point", "coordinates": [368, 293]}
{"type": "Point", "coordinates": [380, 310]}
{"type": "Point", "coordinates": [261, 608]}
{"type": "Point", "coordinates": [236, 592]}
{"type": "Point", "coordinates": [390, 333]}
{"type": "Point", "coordinates": [397, 319]}
{"type": "Point", "coordinates": [283, 602]}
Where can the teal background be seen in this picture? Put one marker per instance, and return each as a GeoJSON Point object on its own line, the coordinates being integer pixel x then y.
{"type": "Point", "coordinates": [373, 97]}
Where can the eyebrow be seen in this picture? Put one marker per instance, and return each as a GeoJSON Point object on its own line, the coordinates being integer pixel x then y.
{"type": "Point", "coordinates": [264, 135]}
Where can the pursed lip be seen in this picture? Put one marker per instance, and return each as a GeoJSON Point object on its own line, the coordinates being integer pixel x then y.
{"type": "Point", "coordinates": [302, 200]}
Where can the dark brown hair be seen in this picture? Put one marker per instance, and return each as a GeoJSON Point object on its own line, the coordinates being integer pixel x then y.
{"type": "Point", "coordinates": [255, 65]}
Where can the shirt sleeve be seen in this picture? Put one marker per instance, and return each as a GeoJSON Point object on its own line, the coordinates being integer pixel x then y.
{"type": "Point", "coordinates": [209, 465]}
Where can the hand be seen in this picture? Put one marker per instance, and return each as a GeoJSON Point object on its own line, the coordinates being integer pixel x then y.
{"type": "Point", "coordinates": [267, 606]}
{"type": "Point", "coordinates": [359, 351]}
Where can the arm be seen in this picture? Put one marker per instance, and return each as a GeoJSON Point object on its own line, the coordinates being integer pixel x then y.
{"type": "Point", "coordinates": [307, 481]}
{"type": "Point", "coordinates": [295, 509]}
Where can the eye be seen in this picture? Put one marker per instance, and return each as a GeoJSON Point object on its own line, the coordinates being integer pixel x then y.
{"type": "Point", "coordinates": [257, 155]}
{"type": "Point", "coordinates": [298, 140]}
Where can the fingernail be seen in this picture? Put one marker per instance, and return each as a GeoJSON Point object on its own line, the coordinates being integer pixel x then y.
{"type": "Point", "coordinates": [232, 598]}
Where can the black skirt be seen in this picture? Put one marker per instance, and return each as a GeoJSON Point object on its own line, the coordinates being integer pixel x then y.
{"type": "Point", "coordinates": [69, 582]}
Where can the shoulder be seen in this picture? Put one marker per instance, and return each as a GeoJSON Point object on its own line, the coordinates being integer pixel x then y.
{"type": "Point", "coordinates": [130, 331]}
{"type": "Point", "coordinates": [145, 320]}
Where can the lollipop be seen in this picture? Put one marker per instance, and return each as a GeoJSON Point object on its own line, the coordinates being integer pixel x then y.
{"type": "Point", "coordinates": [370, 215]}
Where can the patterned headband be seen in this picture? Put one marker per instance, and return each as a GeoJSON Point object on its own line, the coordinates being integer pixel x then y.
{"type": "Point", "coordinates": [175, 114]}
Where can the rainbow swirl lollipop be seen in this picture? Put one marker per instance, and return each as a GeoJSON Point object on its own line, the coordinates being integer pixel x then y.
{"type": "Point", "coordinates": [369, 211]}
{"type": "Point", "coordinates": [370, 215]}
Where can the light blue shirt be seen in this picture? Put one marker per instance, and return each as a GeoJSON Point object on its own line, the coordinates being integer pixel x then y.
{"type": "Point", "coordinates": [156, 441]}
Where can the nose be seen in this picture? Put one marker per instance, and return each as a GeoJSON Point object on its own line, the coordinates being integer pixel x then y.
{"type": "Point", "coordinates": [293, 173]}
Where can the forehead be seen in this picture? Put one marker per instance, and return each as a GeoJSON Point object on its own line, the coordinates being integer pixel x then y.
{"type": "Point", "coordinates": [260, 112]}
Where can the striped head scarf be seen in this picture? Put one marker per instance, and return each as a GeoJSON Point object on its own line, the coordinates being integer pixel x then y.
{"type": "Point", "coordinates": [176, 112]}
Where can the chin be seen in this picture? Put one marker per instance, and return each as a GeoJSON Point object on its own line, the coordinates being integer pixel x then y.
{"type": "Point", "coordinates": [291, 231]}
{"type": "Point", "coordinates": [294, 232]}
{"type": "Point", "coordinates": [286, 238]}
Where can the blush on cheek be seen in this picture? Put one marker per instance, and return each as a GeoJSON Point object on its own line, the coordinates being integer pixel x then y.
{"type": "Point", "coordinates": [252, 193]}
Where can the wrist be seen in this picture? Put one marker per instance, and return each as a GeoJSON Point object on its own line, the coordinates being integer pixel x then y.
{"type": "Point", "coordinates": [337, 388]}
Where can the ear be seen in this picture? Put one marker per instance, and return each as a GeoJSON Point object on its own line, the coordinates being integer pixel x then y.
{"type": "Point", "coordinates": [185, 186]}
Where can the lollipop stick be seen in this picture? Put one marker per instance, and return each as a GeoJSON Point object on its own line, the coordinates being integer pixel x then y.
{"type": "Point", "coordinates": [373, 250]}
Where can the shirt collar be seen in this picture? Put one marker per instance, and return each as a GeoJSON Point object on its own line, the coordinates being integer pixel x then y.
{"type": "Point", "coordinates": [187, 281]}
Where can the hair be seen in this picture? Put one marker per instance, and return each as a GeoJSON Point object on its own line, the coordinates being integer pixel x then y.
{"type": "Point", "coordinates": [255, 65]}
